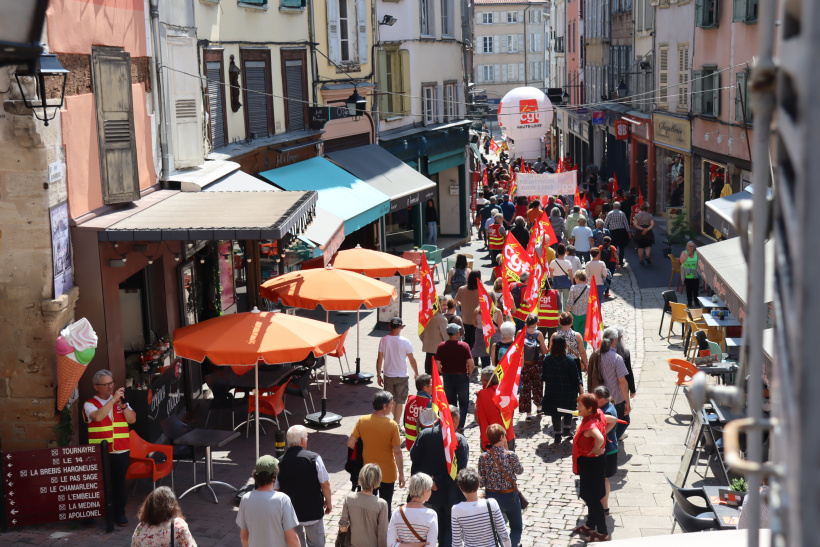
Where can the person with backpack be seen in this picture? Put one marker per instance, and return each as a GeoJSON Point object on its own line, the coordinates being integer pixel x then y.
{"type": "Point", "coordinates": [561, 273]}
{"type": "Point", "coordinates": [415, 404]}
{"type": "Point", "coordinates": [457, 277]}
{"type": "Point", "coordinates": [578, 299]}
{"type": "Point", "coordinates": [609, 256]}
{"type": "Point", "coordinates": [534, 347]}
{"type": "Point", "coordinates": [507, 337]}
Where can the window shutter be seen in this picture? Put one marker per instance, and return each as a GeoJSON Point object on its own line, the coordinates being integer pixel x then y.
{"type": "Point", "coordinates": [505, 74]}
{"type": "Point", "coordinates": [333, 30]}
{"type": "Point", "coordinates": [663, 75]}
{"type": "Point", "coordinates": [438, 103]}
{"type": "Point", "coordinates": [738, 11]}
{"type": "Point", "coordinates": [361, 25]}
{"type": "Point", "coordinates": [479, 74]}
{"type": "Point", "coordinates": [716, 93]}
{"type": "Point", "coordinates": [384, 100]}
{"type": "Point", "coordinates": [256, 73]}
{"type": "Point", "coordinates": [697, 89]}
{"type": "Point", "coordinates": [683, 76]}
{"type": "Point", "coordinates": [521, 71]}
{"type": "Point", "coordinates": [114, 103]}
{"type": "Point", "coordinates": [406, 86]}
{"type": "Point", "coordinates": [216, 103]}
{"type": "Point", "coordinates": [496, 45]}
{"type": "Point", "coordinates": [740, 90]}
{"type": "Point", "coordinates": [295, 92]}
{"type": "Point", "coordinates": [537, 42]}
{"type": "Point", "coordinates": [504, 44]}
{"type": "Point", "coordinates": [186, 102]}
{"type": "Point", "coordinates": [699, 12]}
{"type": "Point", "coordinates": [496, 72]}
{"type": "Point", "coordinates": [495, 17]}
{"type": "Point", "coordinates": [520, 42]}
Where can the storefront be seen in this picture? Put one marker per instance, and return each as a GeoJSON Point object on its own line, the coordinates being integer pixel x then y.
{"type": "Point", "coordinates": [615, 150]}
{"type": "Point", "coordinates": [642, 155]}
{"type": "Point", "coordinates": [577, 139]}
{"type": "Point", "coordinates": [672, 137]}
{"type": "Point", "coordinates": [720, 180]}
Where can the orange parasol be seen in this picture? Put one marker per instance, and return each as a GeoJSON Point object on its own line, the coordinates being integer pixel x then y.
{"type": "Point", "coordinates": [372, 263]}
{"type": "Point", "coordinates": [331, 288]}
{"type": "Point", "coordinates": [250, 337]}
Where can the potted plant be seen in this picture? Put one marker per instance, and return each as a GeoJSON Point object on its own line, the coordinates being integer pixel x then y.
{"type": "Point", "coordinates": [736, 492]}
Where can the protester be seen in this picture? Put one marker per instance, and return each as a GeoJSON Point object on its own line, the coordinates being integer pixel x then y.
{"type": "Point", "coordinates": [422, 400]}
{"type": "Point", "coordinates": [108, 416]}
{"type": "Point", "coordinates": [159, 516]}
{"type": "Point", "coordinates": [431, 215]}
{"type": "Point", "coordinates": [587, 447]}
{"type": "Point", "coordinates": [507, 209]}
{"type": "Point", "coordinates": [609, 256]}
{"type": "Point", "coordinates": [500, 348]}
{"type": "Point", "coordinates": [486, 215]}
{"type": "Point", "coordinates": [471, 527]}
{"type": "Point", "coordinates": [530, 384]}
{"type": "Point", "coordinates": [562, 385]}
{"type": "Point", "coordinates": [467, 299]}
{"type": "Point", "coordinates": [381, 444]}
{"type": "Point", "coordinates": [533, 212]}
{"type": "Point", "coordinates": [574, 261]}
{"type": "Point", "coordinates": [616, 334]}
{"type": "Point", "coordinates": [689, 271]}
{"type": "Point", "coordinates": [561, 273]}
{"type": "Point", "coordinates": [487, 412]}
{"type": "Point", "coordinates": [552, 205]}
{"type": "Point", "coordinates": [614, 372]}
{"type": "Point", "coordinates": [497, 468]}
{"type": "Point", "coordinates": [455, 361]}
{"type": "Point", "coordinates": [414, 525]}
{"type": "Point", "coordinates": [434, 334]}
{"type": "Point", "coordinates": [364, 515]}
{"type": "Point", "coordinates": [578, 300]}
{"type": "Point", "coordinates": [520, 231]}
{"type": "Point", "coordinates": [452, 317]}
{"type": "Point", "coordinates": [573, 218]}
{"type": "Point", "coordinates": [394, 352]}
{"type": "Point", "coordinates": [581, 238]}
{"type": "Point", "coordinates": [521, 207]}
{"type": "Point", "coordinates": [496, 232]}
{"type": "Point", "coordinates": [549, 308]}
{"type": "Point", "coordinates": [304, 478]}
{"type": "Point", "coordinates": [618, 225]}
{"type": "Point", "coordinates": [575, 341]}
{"type": "Point", "coordinates": [457, 277]}
{"type": "Point", "coordinates": [557, 224]}
{"type": "Point", "coordinates": [480, 352]}
{"type": "Point", "coordinates": [427, 456]}
{"type": "Point", "coordinates": [611, 448]}
{"type": "Point", "coordinates": [266, 517]}
{"type": "Point", "coordinates": [595, 268]}
{"type": "Point", "coordinates": [644, 236]}
{"type": "Point", "coordinates": [599, 233]}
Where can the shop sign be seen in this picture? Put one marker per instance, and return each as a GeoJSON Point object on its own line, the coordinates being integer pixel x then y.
{"type": "Point", "coordinates": [474, 191]}
{"type": "Point", "coordinates": [281, 159]}
{"type": "Point", "coordinates": [583, 114]}
{"type": "Point", "coordinates": [393, 309]}
{"type": "Point", "coordinates": [318, 116]}
{"type": "Point", "coordinates": [60, 249]}
{"type": "Point", "coordinates": [54, 485]}
{"type": "Point", "coordinates": [672, 132]}
{"type": "Point", "coordinates": [621, 130]}
{"type": "Point", "coordinates": [599, 117]}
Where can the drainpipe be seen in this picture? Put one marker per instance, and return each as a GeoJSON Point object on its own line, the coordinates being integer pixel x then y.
{"type": "Point", "coordinates": [156, 86]}
{"type": "Point", "coordinates": [314, 69]}
{"type": "Point", "coordinates": [375, 61]}
{"type": "Point", "coordinates": [526, 43]}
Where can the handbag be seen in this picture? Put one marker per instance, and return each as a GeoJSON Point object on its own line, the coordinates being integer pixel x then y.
{"type": "Point", "coordinates": [496, 539]}
{"type": "Point", "coordinates": [561, 281]}
{"type": "Point", "coordinates": [410, 526]}
{"type": "Point", "coordinates": [524, 502]}
{"type": "Point", "coordinates": [342, 539]}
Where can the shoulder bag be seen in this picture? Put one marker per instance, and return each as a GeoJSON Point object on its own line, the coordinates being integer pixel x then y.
{"type": "Point", "coordinates": [496, 539]}
{"type": "Point", "coordinates": [410, 526]}
{"type": "Point", "coordinates": [561, 281]}
{"type": "Point", "coordinates": [524, 502]}
{"type": "Point", "coordinates": [582, 293]}
{"type": "Point", "coordinates": [173, 531]}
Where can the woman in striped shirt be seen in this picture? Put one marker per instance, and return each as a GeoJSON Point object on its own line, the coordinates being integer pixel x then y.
{"type": "Point", "coordinates": [476, 522]}
{"type": "Point", "coordinates": [498, 468]}
{"type": "Point", "coordinates": [414, 525]}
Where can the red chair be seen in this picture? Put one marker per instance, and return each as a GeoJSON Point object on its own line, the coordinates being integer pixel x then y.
{"type": "Point", "coordinates": [686, 371]}
{"type": "Point", "coordinates": [271, 405]}
{"type": "Point", "coordinates": [415, 257]}
{"type": "Point", "coordinates": [341, 352]}
{"type": "Point", "coordinates": [141, 466]}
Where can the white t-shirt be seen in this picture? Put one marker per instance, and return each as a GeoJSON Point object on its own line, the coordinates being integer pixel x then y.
{"type": "Point", "coordinates": [556, 271]}
{"type": "Point", "coordinates": [598, 269]}
{"type": "Point", "coordinates": [423, 520]}
{"type": "Point", "coordinates": [266, 515]}
{"type": "Point", "coordinates": [395, 350]}
{"type": "Point", "coordinates": [89, 408]}
{"type": "Point", "coordinates": [575, 263]}
{"type": "Point", "coordinates": [581, 235]}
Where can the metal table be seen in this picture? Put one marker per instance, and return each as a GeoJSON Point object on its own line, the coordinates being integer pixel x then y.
{"type": "Point", "coordinates": [727, 515]}
{"type": "Point", "coordinates": [209, 438]}
{"type": "Point", "coordinates": [730, 321]}
{"type": "Point", "coordinates": [706, 302]}
{"type": "Point", "coordinates": [724, 370]}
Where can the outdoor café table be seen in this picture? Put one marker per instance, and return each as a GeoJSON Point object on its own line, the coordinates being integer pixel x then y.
{"type": "Point", "coordinates": [730, 321]}
{"type": "Point", "coordinates": [706, 302]}
{"type": "Point", "coordinates": [209, 438]}
{"type": "Point", "coordinates": [723, 370]}
{"type": "Point", "coordinates": [727, 515]}
{"type": "Point", "coordinates": [267, 379]}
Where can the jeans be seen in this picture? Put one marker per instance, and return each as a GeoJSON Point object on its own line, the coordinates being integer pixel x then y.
{"type": "Point", "coordinates": [469, 332]}
{"type": "Point", "coordinates": [510, 506]}
{"type": "Point", "coordinates": [385, 492]}
{"type": "Point", "coordinates": [583, 255]}
{"type": "Point", "coordinates": [311, 535]}
{"type": "Point", "coordinates": [432, 233]}
{"type": "Point", "coordinates": [692, 286]}
{"type": "Point", "coordinates": [620, 428]}
{"type": "Point", "coordinates": [119, 467]}
{"type": "Point", "coordinates": [484, 361]}
{"type": "Point", "coordinates": [561, 422]}
{"type": "Point", "coordinates": [428, 363]}
{"type": "Point", "coordinates": [445, 529]}
{"type": "Point", "coordinates": [457, 387]}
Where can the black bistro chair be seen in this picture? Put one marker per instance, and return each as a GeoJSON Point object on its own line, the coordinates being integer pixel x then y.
{"type": "Point", "coordinates": [223, 399]}
{"type": "Point", "coordinates": [692, 517]}
{"type": "Point", "coordinates": [174, 428]}
{"type": "Point", "coordinates": [668, 296]}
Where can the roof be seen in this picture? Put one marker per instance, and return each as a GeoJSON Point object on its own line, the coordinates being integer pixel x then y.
{"type": "Point", "coordinates": [510, 2]}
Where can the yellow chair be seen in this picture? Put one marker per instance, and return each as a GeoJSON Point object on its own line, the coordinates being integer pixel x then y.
{"type": "Point", "coordinates": [675, 270]}
{"type": "Point", "coordinates": [717, 335]}
{"type": "Point", "coordinates": [679, 315]}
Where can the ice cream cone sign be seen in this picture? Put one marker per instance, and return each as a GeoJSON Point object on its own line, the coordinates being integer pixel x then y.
{"type": "Point", "coordinates": [75, 348]}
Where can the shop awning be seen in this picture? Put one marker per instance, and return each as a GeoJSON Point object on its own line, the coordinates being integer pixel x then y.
{"type": "Point", "coordinates": [476, 153]}
{"type": "Point", "coordinates": [719, 213]}
{"type": "Point", "coordinates": [327, 231]}
{"type": "Point", "coordinates": [183, 216]}
{"type": "Point", "coordinates": [387, 173]}
{"type": "Point", "coordinates": [723, 267]}
{"type": "Point", "coordinates": [341, 193]}
{"type": "Point", "coordinates": [239, 181]}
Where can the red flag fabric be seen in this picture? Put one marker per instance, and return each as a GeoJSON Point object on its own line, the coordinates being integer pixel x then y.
{"type": "Point", "coordinates": [508, 372]}
{"type": "Point", "coordinates": [448, 429]}
{"type": "Point", "coordinates": [594, 328]}
{"type": "Point", "coordinates": [516, 261]}
{"type": "Point", "coordinates": [428, 299]}
{"type": "Point", "coordinates": [507, 302]}
{"type": "Point", "coordinates": [487, 324]}
{"type": "Point", "coordinates": [494, 146]}
{"type": "Point", "coordinates": [576, 200]}
{"type": "Point", "coordinates": [560, 167]}
{"type": "Point", "coordinates": [544, 228]}
{"type": "Point", "coordinates": [640, 196]}
{"type": "Point", "coordinates": [534, 285]}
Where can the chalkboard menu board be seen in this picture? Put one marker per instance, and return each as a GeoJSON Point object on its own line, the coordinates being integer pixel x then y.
{"type": "Point", "coordinates": [54, 485]}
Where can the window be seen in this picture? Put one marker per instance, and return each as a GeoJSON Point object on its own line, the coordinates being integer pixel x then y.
{"type": "Point", "coordinates": [394, 82]}
{"type": "Point", "coordinates": [257, 93]}
{"type": "Point", "coordinates": [215, 74]}
{"type": "Point", "coordinates": [447, 18]}
{"type": "Point", "coordinates": [429, 104]}
{"type": "Point", "coordinates": [512, 72]}
{"type": "Point", "coordinates": [535, 70]}
{"type": "Point", "coordinates": [254, 2]}
{"type": "Point", "coordinates": [488, 74]}
{"type": "Point", "coordinates": [663, 76]}
{"type": "Point", "coordinates": [744, 11]}
{"type": "Point", "coordinates": [512, 43]}
{"type": "Point", "coordinates": [347, 31]}
{"type": "Point", "coordinates": [450, 107]}
{"type": "Point", "coordinates": [487, 18]}
{"type": "Point", "coordinates": [683, 77]}
{"type": "Point", "coordinates": [535, 42]}
{"type": "Point", "coordinates": [706, 91]}
{"type": "Point", "coordinates": [294, 77]}
{"type": "Point", "coordinates": [114, 102]}
{"type": "Point", "coordinates": [512, 16]}
{"type": "Point", "coordinates": [344, 30]}
{"type": "Point", "coordinates": [292, 4]}
{"type": "Point", "coordinates": [707, 13]}
{"type": "Point", "coordinates": [488, 44]}
{"type": "Point", "coordinates": [427, 27]}
{"type": "Point", "coordinates": [535, 17]}
{"type": "Point", "coordinates": [742, 98]}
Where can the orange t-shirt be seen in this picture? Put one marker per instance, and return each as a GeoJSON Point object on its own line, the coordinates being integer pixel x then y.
{"type": "Point", "coordinates": [533, 214]}
{"type": "Point", "coordinates": [379, 435]}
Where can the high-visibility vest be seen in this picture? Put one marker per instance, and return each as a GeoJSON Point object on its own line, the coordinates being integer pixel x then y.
{"type": "Point", "coordinates": [114, 431]}
{"type": "Point", "coordinates": [690, 267]}
{"type": "Point", "coordinates": [412, 427]}
{"type": "Point", "coordinates": [496, 239]}
{"type": "Point", "coordinates": [548, 311]}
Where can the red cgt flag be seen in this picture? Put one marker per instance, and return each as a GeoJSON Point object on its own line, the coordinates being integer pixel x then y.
{"type": "Point", "coordinates": [494, 146]}
{"type": "Point", "coordinates": [448, 428]}
{"type": "Point", "coordinates": [428, 299]}
{"type": "Point", "coordinates": [594, 329]}
{"type": "Point", "coordinates": [541, 228]}
{"type": "Point", "coordinates": [508, 372]}
{"type": "Point", "coordinates": [487, 324]}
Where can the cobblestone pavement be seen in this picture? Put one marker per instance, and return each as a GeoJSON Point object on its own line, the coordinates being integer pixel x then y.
{"type": "Point", "coordinates": [640, 503]}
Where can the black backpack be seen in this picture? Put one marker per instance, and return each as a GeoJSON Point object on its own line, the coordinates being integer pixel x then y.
{"type": "Point", "coordinates": [355, 462]}
{"type": "Point", "coordinates": [606, 253]}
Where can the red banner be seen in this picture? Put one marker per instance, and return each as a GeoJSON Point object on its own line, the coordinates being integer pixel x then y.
{"type": "Point", "coordinates": [508, 372]}
{"type": "Point", "coordinates": [594, 328]}
{"type": "Point", "coordinates": [448, 428]}
{"type": "Point", "coordinates": [516, 261]}
{"type": "Point", "coordinates": [428, 299]}
{"type": "Point", "coordinates": [487, 324]}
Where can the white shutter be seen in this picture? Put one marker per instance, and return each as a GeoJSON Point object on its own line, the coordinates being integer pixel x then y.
{"type": "Point", "coordinates": [537, 42]}
{"type": "Point", "coordinates": [520, 16]}
{"type": "Point", "coordinates": [521, 71]}
{"type": "Point", "coordinates": [333, 30]}
{"type": "Point", "coordinates": [479, 74]}
{"type": "Point", "coordinates": [496, 46]}
{"type": "Point", "coordinates": [521, 42]}
{"type": "Point", "coordinates": [504, 42]}
{"type": "Point", "coordinates": [438, 103]}
{"type": "Point", "coordinates": [504, 73]}
{"type": "Point", "coordinates": [496, 72]}
{"type": "Point", "coordinates": [495, 17]}
{"type": "Point", "coordinates": [186, 102]}
{"type": "Point", "coordinates": [361, 26]}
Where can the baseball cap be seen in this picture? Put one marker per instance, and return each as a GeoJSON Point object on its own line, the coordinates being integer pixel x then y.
{"type": "Point", "coordinates": [452, 328]}
{"type": "Point", "coordinates": [396, 322]}
{"type": "Point", "coordinates": [267, 464]}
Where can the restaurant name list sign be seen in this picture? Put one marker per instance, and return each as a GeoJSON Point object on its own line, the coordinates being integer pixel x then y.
{"type": "Point", "coordinates": [54, 485]}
